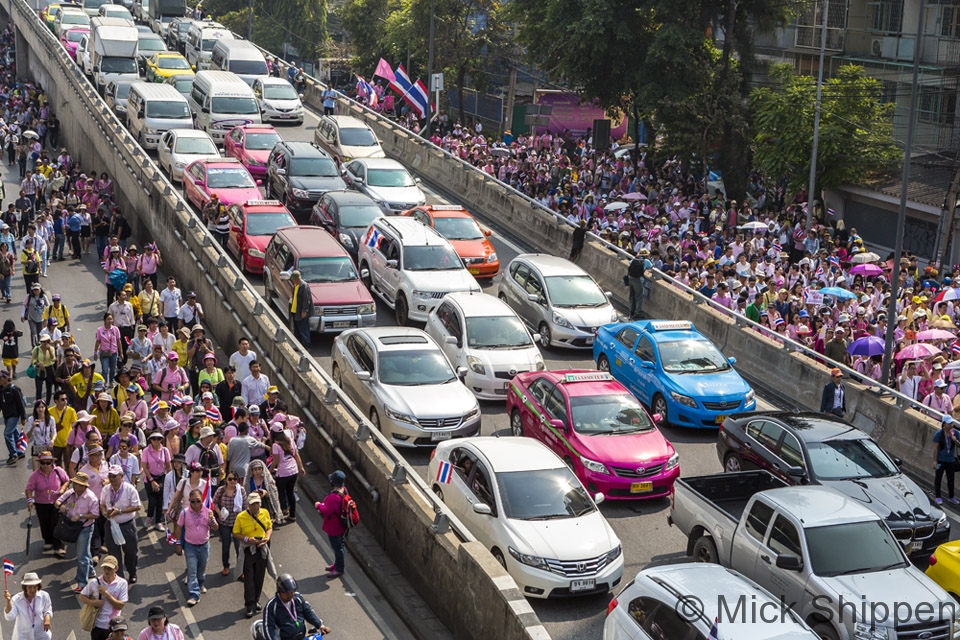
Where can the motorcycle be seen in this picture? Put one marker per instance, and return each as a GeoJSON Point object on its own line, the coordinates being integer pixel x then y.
{"type": "Point", "coordinates": [257, 632]}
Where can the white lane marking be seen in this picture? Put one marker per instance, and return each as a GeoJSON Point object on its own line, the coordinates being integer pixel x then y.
{"type": "Point", "coordinates": [72, 636]}
{"type": "Point", "coordinates": [185, 611]}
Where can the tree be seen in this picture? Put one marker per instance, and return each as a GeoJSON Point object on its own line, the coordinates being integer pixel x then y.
{"type": "Point", "coordinates": [364, 21]}
{"type": "Point", "coordinates": [856, 128]}
{"type": "Point", "coordinates": [300, 23]}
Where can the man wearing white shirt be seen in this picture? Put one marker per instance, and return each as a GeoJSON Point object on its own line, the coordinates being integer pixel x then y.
{"type": "Point", "coordinates": [170, 299]}
{"type": "Point", "coordinates": [241, 359]}
{"type": "Point", "coordinates": [120, 504]}
{"type": "Point", "coordinates": [254, 386]}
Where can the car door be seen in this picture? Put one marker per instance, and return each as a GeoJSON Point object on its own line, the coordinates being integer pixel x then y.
{"type": "Point", "coordinates": [536, 309]}
{"type": "Point", "coordinates": [531, 406]}
{"type": "Point", "coordinates": [320, 215]}
{"type": "Point", "coordinates": [438, 325]}
{"type": "Point", "coordinates": [285, 260]}
{"type": "Point", "coordinates": [619, 351]}
{"type": "Point", "coordinates": [279, 165]}
{"type": "Point", "coordinates": [164, 149]}
{"type": "Point", "coordinates": [764, 437]}
{"type": "Point", "coordinates": [790, 454]}
{"type": "Point", "coordinates": [233, 142]}
{"type": "Point", "coordinates": [641, 366]}
{"type": "Point", "coordinates": [235, 241]}
{"type": "Point", "coordinates": [192, 184]}
{"type": "Point", "coordinates": [455, 492]}
{"type": "Point", "coordinates": [747, 545]}
{"type": "Point", "coordinates": [783, 539]}
{"type": "Point", "coordinates": [512, 287]}
{"type": "Point", "coordinates": [360, 358]}
{"type": "Point", "coordinates": [482, 489]}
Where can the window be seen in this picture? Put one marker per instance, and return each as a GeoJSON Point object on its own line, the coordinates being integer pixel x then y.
{"type": "Point", "coordinates": [950, 22]}
{"type": "Point", "coordinates": [928, 105]}
{"type": "Point", "coordinates": [540, 390]}
{"type": "Point", "coordinates": [790, 451]}
{"type": "Point", "coordinates": [784, 538]}
{"type": "Point", "coordinates": [758, 519]}
{"type": "Point", "coordinates": [645, 350]}
{"type": "Point", "coordinates": [628, 337]}
{"type": "Point", "coordinates": [769, 435]}
{"type": "Point", "coordinates": [888, 16]}
{"type": "Point", "coordinates": [519, 273]}
{"type": "Point", "coordinates": [533, 285]}
{"type": "Point", "coordinates": [556, 404]}
{"type": "Point", "coordinates": [641, 610]}
{"type": "Point", "coordinates": [482, 489]}
{"type": "Point", "coordinates": [463, 462]}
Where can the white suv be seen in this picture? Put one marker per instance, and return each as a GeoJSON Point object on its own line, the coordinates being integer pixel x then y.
{"type": "Point", "coordinates": [411, 267]}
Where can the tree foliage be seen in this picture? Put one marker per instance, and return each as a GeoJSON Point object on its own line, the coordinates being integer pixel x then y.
{"type": "Point", "coordinates": [300, 23]}
{"type": "Point", "coordinates": [856, 128]}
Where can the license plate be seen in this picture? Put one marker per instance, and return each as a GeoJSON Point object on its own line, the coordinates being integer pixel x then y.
{"type": "Point", "coordinates": [506, 385]}
{"type": "Point", "coordinates": [589, 341]}
{"type": "Point", "coordinates": [437, 436]}
{"type": "Point", "coordinates": [285, 115]}
{"type": "Point", "coordinates": [641, 487]}
{"type": "Point", "coordinates": [583, 585]}
{"type": "Point", "coordinates": [341, 325]}
{"type": "Point", "coordinates": [915, 546]}
{"type": "Point", "coordinates": [474, 272]}
{"type": "Point", "coordinates": [719, 419]}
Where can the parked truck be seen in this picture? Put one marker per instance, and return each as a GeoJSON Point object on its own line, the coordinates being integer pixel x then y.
{"type": "Point", "coordinates": [113, 54]}
{"type": "Point", "coordinates": [161, 12]}
{"type": "Point", "coordinates": [831, 559]}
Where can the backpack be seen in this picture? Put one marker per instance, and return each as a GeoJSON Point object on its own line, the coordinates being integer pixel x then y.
{"type": "Point", "coordinates": [31, 266]}
{"type": "Point", "coordinates": [349, 516]}
{"type": "Point", "coordinates": [5, 267]}
{"type": "Point", "coordinates": [208, 460]}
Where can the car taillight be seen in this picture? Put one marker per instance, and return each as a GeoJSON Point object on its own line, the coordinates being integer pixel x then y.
{"type": "Point", "coordinates": [933, 559]}
{"type": "Point", "coordinates": [611, 606]}
{"type": "Point", "coordinates": [433, 452]}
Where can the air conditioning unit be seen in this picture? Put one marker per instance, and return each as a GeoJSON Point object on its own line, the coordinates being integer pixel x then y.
{"type": "Point", "coordinates": [876, 47]}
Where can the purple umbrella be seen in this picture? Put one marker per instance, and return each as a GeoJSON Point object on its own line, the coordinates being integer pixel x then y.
{"type": "Point", "coordinates": [869, 270]}
{"type": "Point", "coordinates": [866, 346]}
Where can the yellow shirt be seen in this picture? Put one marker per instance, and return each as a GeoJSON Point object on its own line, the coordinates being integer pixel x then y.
{"type": "Point", "coordinates": [293, 299]}
{"type": "Point", "coordinates": [63, 426]}
{"type": "Point", "coordinates": [79, 384]}
{"type": "Point", "coordinates": [181, 348]}
{"type": "Point", "coordinates": [247, 527]}
{"type": "Point", "coordinates": [60, 313]}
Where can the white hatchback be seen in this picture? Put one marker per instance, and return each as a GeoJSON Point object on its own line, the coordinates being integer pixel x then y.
{"type": "Point", "coordinates": [179, 147]}
{"type": "Point", "coordinates": [524, 504]}
{"type": "Point", "coordinates": [484, 335]}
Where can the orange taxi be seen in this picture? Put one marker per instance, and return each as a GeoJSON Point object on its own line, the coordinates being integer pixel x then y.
{"type": "Point", "coordinates": [470, 242]}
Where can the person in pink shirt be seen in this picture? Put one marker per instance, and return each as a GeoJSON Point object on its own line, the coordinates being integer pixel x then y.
{"type": "Point", "coordinates": [45, 485]}
{"type": "Point", "coordinates": [193, 528]}
{"type": "Point", "coordinates": [157, 463]}
{"type": "Point", "coordinates": [330, 509]}
{"type": "Point", "coordinates": [107, 347]}
{"type": "Point", "coordinates": [79, 503]}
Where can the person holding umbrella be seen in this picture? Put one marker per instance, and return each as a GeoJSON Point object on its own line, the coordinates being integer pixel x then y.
{"type": "Point", "coordinates": [31, 610]}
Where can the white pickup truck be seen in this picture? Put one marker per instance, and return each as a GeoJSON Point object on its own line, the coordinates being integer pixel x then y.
{"type": "Point", "coordinates": [831, 559]}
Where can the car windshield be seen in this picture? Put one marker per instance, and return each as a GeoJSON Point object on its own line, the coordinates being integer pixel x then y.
{"type": "Point", "coordinates": [75, 18]}
{"type": "Point", "coordinates": [118, 65]}
{"type": "Point", "coordinates": [359, 215]}
{"type": "Point", "coordinates": [76, 35]}
{"type": "Point", "coordinates": [575, 291]}
{"type": "Point", "coordinates": [183, 27]}
{"type": "Point", "coordinates": [94, 4]}
{"type": "Point", "coordinates": [118, 12]}
{"type": "Point", "coordinates": [853, 548]}
{"type": "Point", "coordinates": [196, 146]}
{"type": "Point", "coordinates": [172, 62]}
{"type": "Point", "coordinates": [151, 44]}
{"type": "Point", "coordinates": [413, 367]}
{"type": "Point", "coordinates": [236, 105]}
{"type": "Point", "coordinates": [691, 356]}
{"type": "Point", "coordinates": [608, 414]}
{"type": "Point", "coordinates": [266, 224]}
{"type": "Point", "coordinates": [496, 332]}
{"type": "Point", "coordinates": [389, 178]}
{"type": "Point", "coordinates": [208, 44]}
{"type": "Point", "coordinates": [458, 228]}
{"type": "Point", "coordinates": [849, 460]}
{"type": "Point", "coordinates": [123, 90]}
{"type": "Point", "coordinates": [435, 257]}
{"type": "Point", "coordinates": [167, 109]}
{"type": "Point", "coordinates": [319, 270]}
{"type": "Point", "coordinates": [545, 494]}
{"type": "Point", "coordinates": [184, 85]}
{"type": "Point", "coordinates": [261, 141]}
{"type": "Point", "coordinates": [357, 137]}
{"type": "Point", "coordinates": [229, 179]}
{"type": "Point", "coordinates": [279, 92]}
{"type": "Point", "coordinates": [249, 67]}
{"type": "Point", "coordinates": [313, 167]}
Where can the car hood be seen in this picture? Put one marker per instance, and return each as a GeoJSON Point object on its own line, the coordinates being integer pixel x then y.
{"type": "Point", "coordinates": [235, 196]}
{"type": "Point", "coordinates": [446, 281]}
{"type": "Point", "coordinates": [472, 248]}
{"type": "Point", "coordinates": [260, 155]}
{"type": "Point", "coordinates": [588, 317]}
{"type": "Point", "coordinates": [282, 104]}
{"type": "Point", "coordinates": [907, 585]}
{"type": "Point", "coordinates": [375, 151]}
{"type": "Point", "coordinates": [187, 158]}
{"type": "Point", "coordinates": [627, 449]}
{"type": "Point", "coordinates": [724, 384]}
{"type": "Point", "coordinates": [314, 183]}
{"type": "Point", "coordinates": [71, 47]}
{"type": "Point", "coordinates": [338, 293]}
{"type": "Point", "coordinates": [897, 498]}
{"type": "Point", "coordinates": [402, 195]}
{"type": "Point", "coordinates": [431, 400]}
{"type": "Point", "coordinates": [524, 359]}
{"type": "Point", "coordinates": [564, 539]}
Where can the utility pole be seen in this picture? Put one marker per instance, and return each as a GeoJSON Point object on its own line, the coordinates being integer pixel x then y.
{"type": "Point", "coordinates": [426, 127]}
{"type": "Point", "coordinates": [511, 96]}
{"type": "Point", "coordinates": [811, 183]}
{"type": "Point", "coordinates": [250, 20]}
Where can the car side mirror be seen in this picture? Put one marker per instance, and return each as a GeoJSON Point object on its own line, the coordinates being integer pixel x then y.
{"type": "Point", "coordinates": [96, 69]}
{"type": "Point", "coordinates": [789, 562]}
{"type": "Point", "coordinates": [461, 372]}
{"type": "Point", "coordinates": [657, 417]}
{"type": "Point", "coordinates": [608, 295]}
{"type": "Point", "coordinates": [898, 462]}
{"type": "Point", "coordinates": [598, 498]}
{"type": "Point", "coordinates": [796, 473]}
{"type": "Point", "coordinates": [392, 264]}
{"type": "Point", "coordinates": [536, 337]}
{"type": "Point", "coordinates": [281, 172]}
{"type": "Point", "coordinates": [364, 273]}
{"type": "Point", "coordinates": [141, 113]}
{"type": "Point", "coordinates": [732, 360]}
{"type": "Point", "coordinates": [358, 180]}
{"type": "Point", "coordinates": [417, 180]}
{"type": "Point", "coordinates": [204, 109]}
{"type": "Point", "coordinates": [259, 182]}
{"type": "Point", "coordinates": [558, 424]}
{"type": "Point", "coordinates": [363, 376]}
{"type": "Point", "coordinates": [482, 508]}
{"type": "Point", "coordinates": [284, 275]}
{"type": "Point", "coordinates": [450, 339]}
{"type": "Point", "coordinates": [487, 232]}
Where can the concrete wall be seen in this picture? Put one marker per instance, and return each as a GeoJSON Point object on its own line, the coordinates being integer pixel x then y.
{"type": "Point", "coordinates": [904, 433]}
{"type": "Point", "coordinates": [439, 566]}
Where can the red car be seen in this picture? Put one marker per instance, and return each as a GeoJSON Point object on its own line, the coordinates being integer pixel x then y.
{"type": "Point", "coordinates": [599, 429]}
{"type": "Point", "coordinates": [251, 144]}
{"type": "Point", "coordinates": [252, 224]}
{"type": "Point", "coordinates": [224, 176]}
{"type": "Point", "coordinates": [70, 39]}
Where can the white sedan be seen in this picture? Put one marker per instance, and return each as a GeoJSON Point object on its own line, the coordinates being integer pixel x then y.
{"type": "Point", "coordinates": [279, 102]}
{"type": "Point", "coordinates": [180, 147]}
{"type": "Point", "coordinates": [484, 335]}
{"type": "Point", "coordinates": [522, 503]}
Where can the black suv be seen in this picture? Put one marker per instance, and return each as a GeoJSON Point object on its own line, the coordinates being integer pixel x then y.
{"type": "Point", "coordinates": [346, 215]}
{"type": "Point", "coordinates": [298, 173]}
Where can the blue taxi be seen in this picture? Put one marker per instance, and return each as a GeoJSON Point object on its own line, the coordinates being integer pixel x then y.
{"type": "Point", "coordinates": [675, 370]}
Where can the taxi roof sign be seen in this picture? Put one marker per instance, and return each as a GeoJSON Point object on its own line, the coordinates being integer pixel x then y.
{"type": "Point", "coordinates": [263, 203]}
{"type": "Point", "coordinates": [446, 207]}
{"type": "Point", "coordinates": [597, 376]}
{"type": "Point", "coordinates": [671, 325]}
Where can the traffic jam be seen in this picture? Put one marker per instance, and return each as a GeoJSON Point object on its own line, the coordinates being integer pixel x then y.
{"type": "Point", "coordinates": [804, 506]}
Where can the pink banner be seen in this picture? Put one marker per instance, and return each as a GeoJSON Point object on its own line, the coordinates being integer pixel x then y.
{"type": "Point", "coordinates": [569, 113]}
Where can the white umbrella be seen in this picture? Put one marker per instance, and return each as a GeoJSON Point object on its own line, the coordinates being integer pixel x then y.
{"type": "Point", "coordinates": [756, 224]}
{"type": "Point", "coordinates": [500, 152]}
{"type": "Point", "coordinates": [634, 195]}
{"type": "Point", "coordinates": [30, 134]}
{"type": "Point", "coordinates": [863, 258]}
{"type": "Point", "coordinates": [616, 206]}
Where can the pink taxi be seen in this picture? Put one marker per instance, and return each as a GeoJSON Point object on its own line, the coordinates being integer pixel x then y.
{"type": "Point", "coordinates": [225, 177]}
{"type": "Point", "coordinates": [70, 39]}
{"type": "Point", "coordinates": [599, 429]}
{"type": "Point", "coordinates": [251, 144]}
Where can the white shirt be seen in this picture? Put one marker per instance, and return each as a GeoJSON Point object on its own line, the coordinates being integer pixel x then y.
{"type": "Point", "coordinates": [29, 616]}
{"type": "Point", "coordinates": [254, 389]}
{"type": "Point", "coordinates": [170, 301]}
{"type": "Point", "coordinates": [117, 589]}
{"type": "Point", "coordinates": [241, 363]}
{"type": "Point", "coordinates": [123, 498]}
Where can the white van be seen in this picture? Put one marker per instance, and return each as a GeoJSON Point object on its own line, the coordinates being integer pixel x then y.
{"type": "Point", "coordinates": [220, 101]}
{"type": "Point", "coordinates": [153, 109]}
{"type": "Point", "coordinates": [240, 57]}
{"type": "Point", "coordinates": [201, 39]}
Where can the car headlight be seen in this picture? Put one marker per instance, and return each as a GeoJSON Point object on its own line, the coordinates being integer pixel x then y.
{"type": "Point", "coordinates": [672, 462]}
{"type": "Point", "coordinates": [593, 465]}
{"type": "Point", "coordinates": [255, 253]}
{"type": "Point", "coordinates": [367, 309]}
{"type": "Point", "coordinates": [492, 257]}
{"type": "Point", "coordinates": [943, 523]}
{"type": "Point", "coordinates": [531, 561]}
{"type": "Point", "coordinates": [150, 131]}
{"type": "Point", "coordinates": [863, 631]}
{"type": "Point", "coordinates": [561, 321]}
{"type": "Point", "coordinates": [476, 366]}
{"type": "Point", "coordinates": [179, 165]}
{"type": "Point", "coordinates": [684, 400]}
{"type": "Point", "coordinates": [400, 417]}
{"type": "Point", "coordinates": [539, 363]}
{"type": "Point", "coordinates": [615, 553]}
{"type": "Point", "coordinates": [422, 295]}
{"type": "Point", "coordinates": [470, 415]}
{"type": "Point", "coordinates": [346, 240]}
{"type": "Point", "coordinates": [750, 396]}
{"type": "Point", "coordinates": [300, 193]}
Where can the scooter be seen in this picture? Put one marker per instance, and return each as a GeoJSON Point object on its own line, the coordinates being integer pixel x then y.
{"type": "Point", "coordinates": [257, 632]}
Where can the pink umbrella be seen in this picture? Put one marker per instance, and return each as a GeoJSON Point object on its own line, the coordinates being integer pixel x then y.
{"type": "Point", "coordinates": [636, 195]}
{"type": "Point", "coordinates": [917, 351]}
{"type": "Point", "coordinates": [869, 270]}
{"type": "Point", "coordinates": [936, 334]}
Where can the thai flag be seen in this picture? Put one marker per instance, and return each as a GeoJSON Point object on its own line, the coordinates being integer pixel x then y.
{"type": "Point", "coordinates": [154, 404]}
{"type": "Point", "coordinates": [170, 538]}
{"type": "Point", "coordinates": [445, 473]}
{"type": "Point", "coordinates": [8, 567]}
{"type": "Point", "coordinates": [819, 273]}
{"type": "Point", "coordinates": [776, 247]}
{"type": "Point", "coordinates": [213, 414]}
{"type": "Point", "coordinates": [414, 94]}
{"type": "Point", "coordinates": [955, 347]}
{"type": "Point", "coordinates": [365, 90]}
{"type": "Point", "coordinates": [831, 211]}
{"type": "Point", "coordinates": [22, 442]}
{"type": "Point", "coordinates": [834, 260]}
{"type": "Point", "coordinates": [206, 496]}
{"type": "Point", "coordinates": [178, 398]}
{"type": "Point", "coordinates": [374, 239]}
{"type": "Point", "coordinates": [714, 630]}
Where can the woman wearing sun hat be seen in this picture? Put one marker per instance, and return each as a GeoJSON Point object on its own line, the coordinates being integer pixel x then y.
{"type": "Point", "coordinates": [30, 610]}
{"type": "Point", "coordinates": [105, 417]}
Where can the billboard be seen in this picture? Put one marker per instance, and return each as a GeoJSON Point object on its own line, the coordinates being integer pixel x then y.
{"type": "Point", "coordinates": [570, 113]}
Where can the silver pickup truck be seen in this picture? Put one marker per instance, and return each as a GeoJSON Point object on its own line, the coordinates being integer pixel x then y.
{"type": "Point", "coordinates": [833, 561]}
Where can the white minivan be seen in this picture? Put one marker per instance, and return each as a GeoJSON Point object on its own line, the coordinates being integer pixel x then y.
{"type": "Point", "coordinates": [153, 109]}
{"type": "Point", "coordinates": [240, 57]}
{"type": "Point", "coordinates": [220, 101]}
{"type": "Point", "coordinates": [201, 38]}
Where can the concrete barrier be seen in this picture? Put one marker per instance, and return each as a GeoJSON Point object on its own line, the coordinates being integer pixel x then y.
{"type": "Point", "coordinates": [458, 579]}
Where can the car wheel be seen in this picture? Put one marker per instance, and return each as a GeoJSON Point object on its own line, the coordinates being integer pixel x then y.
{"type": "Point", "coordinates": [516, 424]}
{"type": "Point", "coordinates": [704, 550]}
{"type": "Point", "coordinates": [267, 294]}
{"type": "Point", "coordinates": [375, 418]}
{"type": "Point", "coordinates": [438, 492]}
{"type": "Point", "coordinates": [569, 462]}
{"type": "Point", "coordinates": [603, 364]}
{"type": "Point", "coordinates": [660, 406]}
{"type": "Point", "coordinates": [544, 331]}
{"type": "Point", "coordinates": [732, 464]}
{"type": "Point", "coordinates": [403, 313]}
{"type": "Point", "coordinates": [826, 631]}
{"type": "Point", "coordinates": [498, 556]}
{"type": "Point", "coordinates": [503, 297]}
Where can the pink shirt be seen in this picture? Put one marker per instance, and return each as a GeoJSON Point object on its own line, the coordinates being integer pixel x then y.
{"type": "Point", "coordinates": [78, 435]}
{"type": "Point", "coordinates": [154, 460]}
{"type": "Point", "coordinates": [109, 339]}
{"type": "Point", "coordinates": [86, 503]}
{"type": "Point", "coordinates": [288, 464]}
{"type": "Point", "coordinates": [196, 525]}
{"type": "Point", "coordinates": [98, 477]}
{"type": "Point", "coordinates": [46, 486]}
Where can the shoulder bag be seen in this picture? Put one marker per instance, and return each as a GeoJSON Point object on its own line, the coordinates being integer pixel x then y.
{"type": "Point", "coordinates": [67, 530]}
{"type": "Point", "coordinates": [88, 615]}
